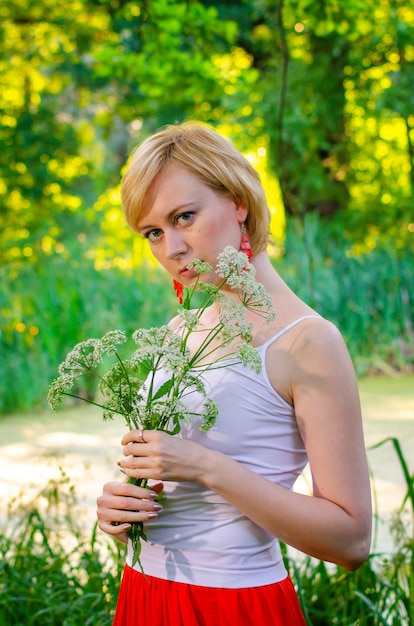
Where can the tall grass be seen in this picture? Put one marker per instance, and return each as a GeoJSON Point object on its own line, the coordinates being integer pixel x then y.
{"type": "Point", "coordinates": [369, 294]}
{"type": "Point", "coordinates": [52, 574]}
{"type": "Point", "coordinates": [46, 308]}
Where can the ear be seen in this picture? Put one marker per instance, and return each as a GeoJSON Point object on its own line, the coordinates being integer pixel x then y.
{"type": "Point", "coordinates": [241, 213]}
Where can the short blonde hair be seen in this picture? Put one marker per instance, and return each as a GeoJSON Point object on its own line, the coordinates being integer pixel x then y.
{"type": "Point", "coordinates": [203, 152]}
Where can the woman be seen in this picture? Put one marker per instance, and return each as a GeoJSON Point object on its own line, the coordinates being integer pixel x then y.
{"type": "Point", "coordinates": [212, 555]}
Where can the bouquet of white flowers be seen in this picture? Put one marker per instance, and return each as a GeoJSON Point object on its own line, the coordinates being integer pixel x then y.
{"type": "Point", "coordinates": [128, 387]}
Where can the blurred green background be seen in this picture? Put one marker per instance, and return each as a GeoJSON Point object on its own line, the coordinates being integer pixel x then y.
{"type": "Point", "coordinates": [318, 95]}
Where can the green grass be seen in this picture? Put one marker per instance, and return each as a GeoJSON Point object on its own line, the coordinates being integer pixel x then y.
{"type": "Point", "coordinates": [368, 294]}
{"type": "Point", "coordinates": [49, 308]}
{"type": "Point", "coordinates": [50, 574]}
{"type": "Point", "coordinates": [55, 570]}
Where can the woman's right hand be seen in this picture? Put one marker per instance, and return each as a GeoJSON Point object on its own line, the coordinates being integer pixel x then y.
{"type": "Point", "coordinates": [120, 504]}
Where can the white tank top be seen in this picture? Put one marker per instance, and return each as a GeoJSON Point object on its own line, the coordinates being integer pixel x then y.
{"type": "Point", "coordinates": [201, 539]}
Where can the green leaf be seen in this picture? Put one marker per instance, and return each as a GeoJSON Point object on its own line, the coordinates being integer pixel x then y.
{"type": "Point", "coordinates": [143, 368]}
{"type": "Point", "coordinates": [187, 300]}
{"type": "Point", "coordinates": [164, 389]}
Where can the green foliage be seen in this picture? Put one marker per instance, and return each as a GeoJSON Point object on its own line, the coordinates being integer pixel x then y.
{"type": "Point", "coordinates": [62, 301]}
{"type": "Point", "coordinates": [370, 596]}
{"type": "Point", "coordinates": [368, 293]}
{"type": "Point", "coordinates": [332, 93]}
{"type": "Point", "coordinates": [78, 79]}
{"type": "Point", "coordinates": [321, 91]}
{"type": "Point", "coordinates": [324, 87]}
{"type": "Point", "coordinates": [50, 573]}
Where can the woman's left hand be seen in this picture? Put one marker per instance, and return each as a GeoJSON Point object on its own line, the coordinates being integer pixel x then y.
{"type": "Point", "coordinates": [163, 457]}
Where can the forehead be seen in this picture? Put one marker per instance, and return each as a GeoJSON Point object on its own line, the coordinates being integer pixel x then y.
{"type": "Point", "coordinates": [173, 188]}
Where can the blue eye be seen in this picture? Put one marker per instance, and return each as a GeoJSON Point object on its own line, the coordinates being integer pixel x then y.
{"type": "Point", "coordinates": [154, 234]}
{"type": "Point", "coordinates": [184, 218]}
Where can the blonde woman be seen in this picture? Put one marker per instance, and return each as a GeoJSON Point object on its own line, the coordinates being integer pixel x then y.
{"type": "Point", "coordinates": [213, 556]}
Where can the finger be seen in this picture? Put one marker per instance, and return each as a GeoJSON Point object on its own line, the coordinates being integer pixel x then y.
{"type": "Point", "coordinates": [139, 469]}
{"type": "Point", "coordinates": [120, 533]}
{"type": "Point", "coordinates": [135, 449]}
{"type": "Point", "coordinates": [126, 489]}
{"type": "Point", "coordinates": [133, 504]}
{"type": "Point", "coordinates": [136, 436]}
{"type": "Point", "coordinates": [113, 528]}
{"type": "Point", "coordinates": [117, 516]}
{"type": "Point", "coordinates": [137, 462]}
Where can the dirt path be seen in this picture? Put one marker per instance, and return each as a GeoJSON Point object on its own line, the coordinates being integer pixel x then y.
{"type": "Point", "coordinates": [33, 449]}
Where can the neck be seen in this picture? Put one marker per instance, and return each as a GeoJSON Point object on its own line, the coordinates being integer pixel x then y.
{"type": "Point", "coordinates": [266, 273]}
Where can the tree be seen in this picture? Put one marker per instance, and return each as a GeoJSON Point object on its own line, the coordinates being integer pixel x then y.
{"type": "Point", "coordinates": [81, 81]}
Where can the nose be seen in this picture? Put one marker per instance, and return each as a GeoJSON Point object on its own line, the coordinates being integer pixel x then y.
{"type": "Point", "coordinates": [175, 244]}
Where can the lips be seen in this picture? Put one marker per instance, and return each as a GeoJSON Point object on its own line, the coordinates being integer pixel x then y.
{"type": "Point", "coordinates": [187, 273]}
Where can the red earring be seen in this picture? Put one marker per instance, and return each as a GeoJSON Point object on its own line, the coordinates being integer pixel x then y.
{"type": "Point", "coordinates": [179, 290]}
{"type": "Point", "coordinates": [245, 243]}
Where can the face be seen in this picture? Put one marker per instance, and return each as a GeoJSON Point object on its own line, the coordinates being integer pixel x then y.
{"type": "Point", "coordinates": [187, 220]}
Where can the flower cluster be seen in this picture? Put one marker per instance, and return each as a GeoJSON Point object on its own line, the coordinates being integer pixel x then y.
{"type": "Point", "coordinates": [130, 389]}
{"type": "Point", "coordinates": [85, 357]}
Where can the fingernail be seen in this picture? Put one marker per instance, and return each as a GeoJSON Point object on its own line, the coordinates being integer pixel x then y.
{"type": "Point", "coordinates": [153, 494]}
{"type": "Point", "coordinates": [157, 507]}
{"type": "Point", "coordinates": [122, 470]}
{"type": "Point", "coordinates": [152, 515]}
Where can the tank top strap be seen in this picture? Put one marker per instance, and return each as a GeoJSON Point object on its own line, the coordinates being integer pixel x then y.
{"type": "Point", "coordinates": [284, 330]}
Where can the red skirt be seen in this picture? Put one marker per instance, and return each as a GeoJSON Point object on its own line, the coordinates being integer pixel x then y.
{"type": "Point", "coordinates": [155, 602]}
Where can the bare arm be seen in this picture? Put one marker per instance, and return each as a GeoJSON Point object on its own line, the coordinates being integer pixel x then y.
{"type": "Point", "coordinates": [335, 523]}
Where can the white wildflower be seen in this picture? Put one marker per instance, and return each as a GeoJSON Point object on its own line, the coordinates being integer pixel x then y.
{"type": "Point", "coordinates": [163, 414]}
{"type": "Point", "coordinates": [111, 339]}
{"type": "Point", "coordinates": [58, 389]}
{"type": "Point", "coordinates": [209, 415]}
{"type": "Point", "coordinates": [87, 355]}
{"type": "Point", "coordinates": [193, 383]}
{"type": "Point", "coordinates": [249, 356]}
{"type": "Point", "coordinates": [230, 262]}
{"type": "Point", "coordinates": [200, 266]}
{"type": "Point", "coordinates": [208, 288]}
{"type": "Point", "coordinates": [190, 319]}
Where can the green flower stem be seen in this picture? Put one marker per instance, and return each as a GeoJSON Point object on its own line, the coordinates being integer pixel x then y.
{"type": "Point", "coordinates": [154, 370]}
{"type": "Point", "coordinates": [121, 363]}
{"type": "Point", "coordinates": [101, 406]}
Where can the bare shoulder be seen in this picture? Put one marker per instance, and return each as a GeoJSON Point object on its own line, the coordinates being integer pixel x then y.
{"type": "Point", "coordinates": [311, 354]}
{"type": "Point", "coordinates": [322, 374]}
{"type": "Point", "coordinates": [318, 335]}
{"type": "Point", "coordinates": [319, 350]}
{"type": "Point", "coordinates": [313, 334]}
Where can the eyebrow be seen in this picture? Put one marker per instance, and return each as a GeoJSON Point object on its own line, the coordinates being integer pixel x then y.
{"type": "Point", "coordinates": [169, 215]}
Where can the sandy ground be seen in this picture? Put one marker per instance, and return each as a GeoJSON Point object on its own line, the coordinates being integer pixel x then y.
{"type": "Point", "coordinates": [32, 451]}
